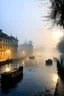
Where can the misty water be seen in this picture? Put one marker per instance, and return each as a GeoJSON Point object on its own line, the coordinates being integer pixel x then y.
{"type": "Point", "coordinates": [36, 78]}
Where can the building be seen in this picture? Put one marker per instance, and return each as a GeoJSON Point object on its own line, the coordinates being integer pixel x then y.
{"type": "Point", "coordinates": [26, 49]}
{"type": "Point", "coordinates": [8, 46]}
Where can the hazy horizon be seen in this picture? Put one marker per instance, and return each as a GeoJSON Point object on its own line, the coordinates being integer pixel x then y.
{"type": "Point", "coordinates": [23, 19]}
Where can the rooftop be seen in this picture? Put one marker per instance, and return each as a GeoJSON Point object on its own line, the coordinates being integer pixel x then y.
{"type": "Point", "coordinates": [6, 36]}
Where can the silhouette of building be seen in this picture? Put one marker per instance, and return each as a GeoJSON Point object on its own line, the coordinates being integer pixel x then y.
{"type": "Point", "coordinates": [8, 46]}
{"type": "Point", "coordinates": [26, 49]}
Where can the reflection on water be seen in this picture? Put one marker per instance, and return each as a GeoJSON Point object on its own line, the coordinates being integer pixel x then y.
{"type": "Point", "coordinates": [23, 62]}
{"type": "Point", "coordinates": [8, 68]}
{"type": "Point", "coordinates": [55, 77]}
{"type": "Point", "coordinates": [59, 90]}
{"type": "Point", "coordinates": [6, 88]}
{"type": "Point", "coordinates": [5, 68]}
{"type": "Point", "coordinates": [36, 75]}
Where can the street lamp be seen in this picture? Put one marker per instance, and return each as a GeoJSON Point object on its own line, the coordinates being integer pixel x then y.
{"type": "Point", "coordinates": [23, 53]}
{"type": "Point", "coordinates": [8, 50]}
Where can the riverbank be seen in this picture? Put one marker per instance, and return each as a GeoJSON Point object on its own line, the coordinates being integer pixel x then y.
{"type": "Point", "coordinates": [10, 61]}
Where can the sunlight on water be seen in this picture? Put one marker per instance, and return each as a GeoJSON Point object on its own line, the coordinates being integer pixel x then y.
{"type": "Point", "coordinates": [36, 75]}
{"type": "Point", "coordinates": [54, 78]}
{"type": "Point", "coordinates": [23, 62]}
{"type": "Point", "coordinates": [7, 69]}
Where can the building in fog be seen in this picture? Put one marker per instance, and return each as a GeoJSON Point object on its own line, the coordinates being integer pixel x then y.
{"type": "Point", "coordinates": [8, 46]}
{"type": "Point", "coordinates": [26, 49]}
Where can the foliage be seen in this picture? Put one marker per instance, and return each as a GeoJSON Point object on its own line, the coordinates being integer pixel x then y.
{"type": "Point", "coordinates": [57, 12]}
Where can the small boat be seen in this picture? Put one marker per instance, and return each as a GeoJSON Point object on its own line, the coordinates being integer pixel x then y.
{"type": "Point", "coordinates": [11, 75]}
{"type": "Point", "coordinates": [7, 87]}
{"type": "Point", "coordinates": [31, 57]}
{"type": "Point", "coordinates": [49, 62]}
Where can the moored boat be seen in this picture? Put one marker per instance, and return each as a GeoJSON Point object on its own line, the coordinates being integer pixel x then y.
{"type": "Point", "coordinates": [49, 62]}
{"type": "Point", "coordinates": [31, 57]}
{"type": "Point", "coordinates": [7, 87]}
{"type": "Point", "coordinates": [11, 75]}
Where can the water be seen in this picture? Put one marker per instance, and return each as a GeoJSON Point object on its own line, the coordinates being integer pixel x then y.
{"type": "Point", "coordinates": [36, 78]}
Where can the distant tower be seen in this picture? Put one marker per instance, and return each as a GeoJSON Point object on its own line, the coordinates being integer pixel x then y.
{"type": "Point", "coordinates": [25, 41]}
{"type": "Point", "coordinates": [30, 42]}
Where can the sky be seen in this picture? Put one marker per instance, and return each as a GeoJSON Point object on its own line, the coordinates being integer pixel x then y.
{"type": "Point", "coordinates": [23, 19]}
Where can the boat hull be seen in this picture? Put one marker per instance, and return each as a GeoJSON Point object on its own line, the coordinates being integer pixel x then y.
{"type": "Point", "coordinates": [49, 62]}
{"type": "Point", "coordinates": [32, 57]}
{"type": "Point", "coordinates": [12, 75]}
{"type": "Point", "coordinates": [7, 87]}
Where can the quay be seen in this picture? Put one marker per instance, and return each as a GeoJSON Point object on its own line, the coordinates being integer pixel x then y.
{"type": "Point", "coordinates": [10, 61]}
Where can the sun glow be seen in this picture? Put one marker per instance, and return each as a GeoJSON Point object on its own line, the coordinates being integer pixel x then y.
{"type": "Point", "coordinates": [58, 34]}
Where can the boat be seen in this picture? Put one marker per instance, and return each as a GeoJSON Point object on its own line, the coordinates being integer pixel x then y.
{"type": "Point", "coordinates": [7, 87]}
{"type": "Point", "coordinates": [31, 57]}
{"type": "Point", "coordinates": [11, 75]}
{"type": "Point", "coordinates": [49, 62]}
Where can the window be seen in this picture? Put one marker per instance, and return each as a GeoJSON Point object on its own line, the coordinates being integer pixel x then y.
{"type": "Point", "coordinates": [0, 46]}
{"type": "Point", "coordinates": [0, 40]}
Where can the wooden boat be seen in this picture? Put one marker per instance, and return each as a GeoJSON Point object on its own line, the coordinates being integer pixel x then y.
{"type": "Point", "coordinates": [31, 57]}
{"type": "Point", "coordinates": [11, 75]}
{"type": "Point", "coordinates": [49, 62]}
{"type": "Point", "coordinates": [7, 87]}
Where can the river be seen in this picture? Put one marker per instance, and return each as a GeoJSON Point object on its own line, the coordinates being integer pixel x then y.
{"type": "Point", "coordinates": [36, 78]}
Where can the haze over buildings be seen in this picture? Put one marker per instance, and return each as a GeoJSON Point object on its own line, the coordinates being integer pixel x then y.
{"type": "Point", "coordinates": [23, 18]}
{"type": "Point", "coordinates": [26, 49]}
{"type": "Point", "coordinates": [8, 46]}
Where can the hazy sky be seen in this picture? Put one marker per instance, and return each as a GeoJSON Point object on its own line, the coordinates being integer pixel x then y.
{"type": "Point", "coordinates": [22, 18]}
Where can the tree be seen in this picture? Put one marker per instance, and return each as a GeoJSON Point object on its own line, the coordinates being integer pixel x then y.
{"type": "Point", "coordinates": [57, 12]}
{"type": "Point", "coordinates": [60, 45]}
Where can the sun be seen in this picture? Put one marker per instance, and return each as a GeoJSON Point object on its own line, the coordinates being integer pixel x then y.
{"type": "Point", "coordinates": [58, 35]}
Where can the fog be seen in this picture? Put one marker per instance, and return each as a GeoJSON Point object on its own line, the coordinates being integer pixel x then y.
{"type": "Point", "coordinates": [24, 20]}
